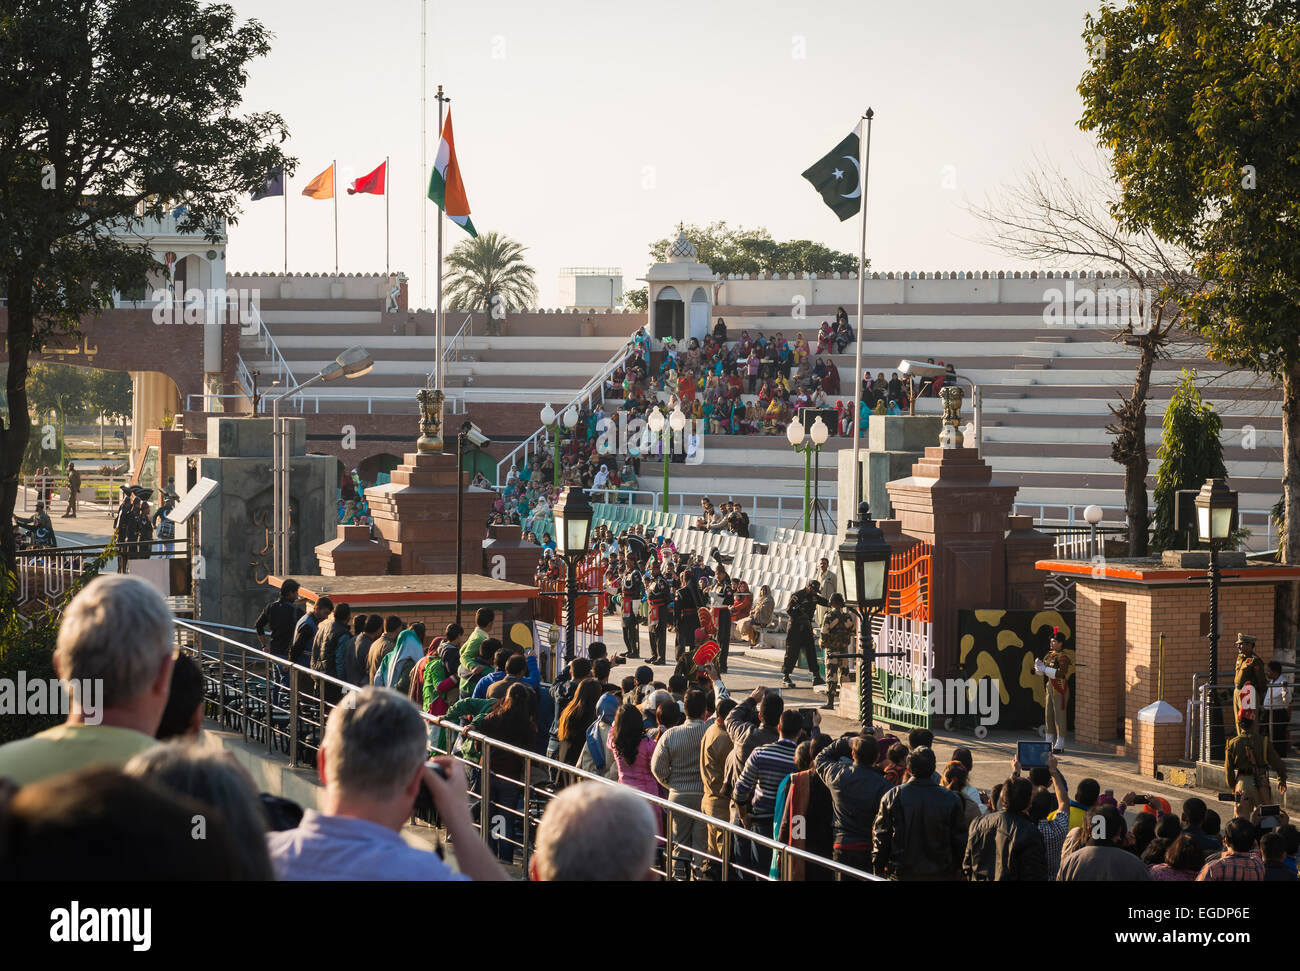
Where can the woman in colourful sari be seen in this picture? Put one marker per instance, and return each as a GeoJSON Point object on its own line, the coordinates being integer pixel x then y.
{"type": "Point", "coordinates": [831, 379]}
{"type": "Point", "coordinates": [800, 349]}
{"type": "Point", "coordinates": [826, 338]}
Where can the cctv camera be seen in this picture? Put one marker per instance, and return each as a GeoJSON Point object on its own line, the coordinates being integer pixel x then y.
{"type": "Point", "coordinates": [474, 435]}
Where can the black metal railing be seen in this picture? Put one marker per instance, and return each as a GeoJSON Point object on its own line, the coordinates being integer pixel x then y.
{"type": "Point", "coordinates": [285, 707]}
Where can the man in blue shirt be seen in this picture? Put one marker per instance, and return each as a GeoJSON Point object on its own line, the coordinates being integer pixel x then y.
{"type": "Point", "coordinates": [372, 765]}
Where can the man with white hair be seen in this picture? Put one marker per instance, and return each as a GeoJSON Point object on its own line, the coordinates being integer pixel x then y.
{"type": "Point", "coordinates": [114, 655]}
{"type": "Point", "coordinates": [595, 831]}
{"type": "Point", "coordinates": [372, 765]}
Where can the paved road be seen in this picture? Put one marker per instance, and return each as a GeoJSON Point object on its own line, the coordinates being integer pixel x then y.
{"type": "Point", "coordinates": [992, 755]}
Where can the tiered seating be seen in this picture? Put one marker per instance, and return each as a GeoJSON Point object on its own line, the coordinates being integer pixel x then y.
{"type": "Point", "coordinates": [783, 559]}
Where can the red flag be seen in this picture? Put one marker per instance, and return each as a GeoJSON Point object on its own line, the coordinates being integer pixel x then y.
{"type": "Point", "coordinates": [372, 183]}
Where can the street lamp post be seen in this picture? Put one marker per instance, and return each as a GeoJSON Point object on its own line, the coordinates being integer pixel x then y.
{"type": "Point", "coordinates": [665, 428]}
{"type": "Point", "coordinates": [1092, 515]}
{"type": "Point", "coordinates": [1216, 518]}
{"type": "Point", "coordinates": [816, 439]}
{"type": "Point", "coordinates": [864, 572]}
{"type": "Point", "coordinates": [573, 515]}
{"type": "Point", "coordinates": [555, 422]}
{"type": "Point", "coordinates": [352, 363]}
{"type": "Point", "coordinates": [467, 438]}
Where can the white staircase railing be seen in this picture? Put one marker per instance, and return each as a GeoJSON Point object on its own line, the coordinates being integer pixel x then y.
{"type": "Point", "coordinates": [451, 351]}
{"type": "Point", "coordinates": [593, 389]}
{"type": "Point", "coordinates": [280, 367]}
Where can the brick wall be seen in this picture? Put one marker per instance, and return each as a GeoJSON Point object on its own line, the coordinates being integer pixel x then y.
{"type": "Point", "coordinates": [1118, 647]}
{"type": "Point", "coordinates": [129, 340]}
{"type": "Point", "coordinates": [396, 434]}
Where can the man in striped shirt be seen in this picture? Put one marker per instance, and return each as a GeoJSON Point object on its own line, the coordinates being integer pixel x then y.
{"type": "Point", "coordinates": [759, 780]}
{"type": "Point", "coordinates": [1239, 862]}
{"type": "Point", "coordinates": [676, 764]}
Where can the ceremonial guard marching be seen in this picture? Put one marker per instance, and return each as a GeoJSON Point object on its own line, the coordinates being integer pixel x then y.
{"type": "Point", "coordinates": [1249, 684]}
{"type": "Point", "coordinates": [1246, 761]}
{"type": "Point", "coordinates": [1056, 667]}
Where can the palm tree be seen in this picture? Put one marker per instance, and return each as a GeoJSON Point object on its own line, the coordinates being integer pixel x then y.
{"type": "Point", "coordinates": [488, 273]}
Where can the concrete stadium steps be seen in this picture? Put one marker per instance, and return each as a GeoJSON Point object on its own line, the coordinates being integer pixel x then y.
{"type": "Point", "coordinates": [1005, 454]}
{"type": "Point", "coordinates": [1060, 478]}
{"type": "Point", "coordinates": [1268, 434]}
{"type": "Point", "coordinates": [758, 476]}
{"type": "Point", "coordinates": [605, 346]}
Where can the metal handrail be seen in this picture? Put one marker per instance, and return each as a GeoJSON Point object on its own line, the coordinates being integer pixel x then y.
{"type": "Point", "coordinates": [597, 384]}
{"type": "Point", "coordinates": [240, 700]}
{"type": "Point", "coordinates": [27, 487]}
{"type": "Point", "coordinates": [450, 353]}
{"type": "Point", "coordinates": [272, 349]}
{"type": "Point", "coordinates": [1074, 516]}
{"type": "Point", "coordinates": [653, 502]}
{"type": "Point", "coordinates": [243, 375]}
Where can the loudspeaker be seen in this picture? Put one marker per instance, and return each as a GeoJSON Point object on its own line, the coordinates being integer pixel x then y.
{"type": "Point", "coordinates": [1185, 511]}
{"type": "Point", "coordinates": [809, 415]}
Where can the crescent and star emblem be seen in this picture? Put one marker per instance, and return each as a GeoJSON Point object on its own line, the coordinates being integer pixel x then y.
{"type": "Point", "coordinates": [857, 180]}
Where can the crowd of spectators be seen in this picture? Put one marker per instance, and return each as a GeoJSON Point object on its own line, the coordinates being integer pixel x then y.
{"type": "Point", "coordinates": [709, 380]}
{"type": "Point", "coordinates": [118, 795]}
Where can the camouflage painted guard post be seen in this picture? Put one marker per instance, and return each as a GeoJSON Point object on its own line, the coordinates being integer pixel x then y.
{"type": "Point", "coordinates": [1055, 666]}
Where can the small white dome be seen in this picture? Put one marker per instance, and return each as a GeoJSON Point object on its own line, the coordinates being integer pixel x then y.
{"type": "Point", "coordinates": [682, 250]}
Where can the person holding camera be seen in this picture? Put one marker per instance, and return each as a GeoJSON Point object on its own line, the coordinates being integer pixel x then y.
{"type": "Point", "coordinates": [372, 764]}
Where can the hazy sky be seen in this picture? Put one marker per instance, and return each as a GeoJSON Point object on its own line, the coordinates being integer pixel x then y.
{"type": "Point", "coordinates": [585, 130]}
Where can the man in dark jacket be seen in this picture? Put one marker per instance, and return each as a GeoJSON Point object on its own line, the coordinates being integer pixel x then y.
{"type": "Point", "coordinates": [325, 649]}
{"type": "Point", "coordinates": [1007, 845]}
{"type": "Point", "coordinates": [856, 789]}
{"type": "Point", "coordinates": [279, 616]}
{"type": "Point", "coordinates": [920, 831]}
{"type": "Point", "coordinates": [803, 604]}
{"type": "Point", "coordinates": [305, 631]}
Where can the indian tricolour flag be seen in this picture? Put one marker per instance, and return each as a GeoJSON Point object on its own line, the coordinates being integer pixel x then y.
{"type": "Point", "coordinates": [445, 185]}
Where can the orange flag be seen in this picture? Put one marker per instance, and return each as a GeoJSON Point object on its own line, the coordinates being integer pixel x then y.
{"type": "Point", "coordinates": [321, 187]}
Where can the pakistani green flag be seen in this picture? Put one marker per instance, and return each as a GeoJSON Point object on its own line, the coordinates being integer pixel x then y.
{"type": "Point", "coordinates": [836, 177]}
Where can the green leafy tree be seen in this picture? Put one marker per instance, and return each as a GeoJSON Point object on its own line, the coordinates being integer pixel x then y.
{"type": "Point", "coordinates": [111, 113]}
{"type": "Point", "coordinates": [1198, 102]}
{"type": "Point", "coordinates": [56, 394]}
{"type": "Point", "coordinates": [1190, 452]}
{"type": "Point", "coordinates": [109, 395]}
{"type": "Point", "coordinates": [638, 299]}
{"type": "Point", "coordinates": [60, 388]}
{"type": "Point", "coordinates": [739, 250]}
{"type": "Point", "coordinates": [488, 273]}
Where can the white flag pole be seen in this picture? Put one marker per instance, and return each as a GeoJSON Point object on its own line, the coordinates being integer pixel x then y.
{"type": "Point", "coordinates": [442, 211]}
{"type": "Point", "coordinates": [864, 146]}
{"type": "Point", "coordinates": [424, 159]}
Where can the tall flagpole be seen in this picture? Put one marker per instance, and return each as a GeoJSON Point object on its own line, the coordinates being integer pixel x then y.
{"type": "Point", "coordinates": [442, 210]}
{"type": "Point", "coordinates": [388, 260]}
{"type": "Point", "coordinates": [424, 159]}
{"type": "Point", "coordinates": [334, 178]}
{"type": "Point", "coordinates": [284, 189]}
{"type": "Point", "coordinates": [865, 148]}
